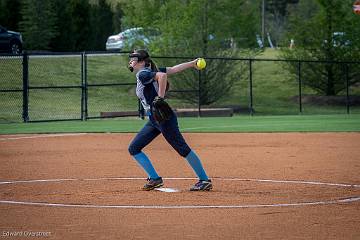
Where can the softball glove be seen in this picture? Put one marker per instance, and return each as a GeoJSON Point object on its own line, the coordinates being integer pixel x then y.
{"type": "Point", "coordinates": [161, 109]}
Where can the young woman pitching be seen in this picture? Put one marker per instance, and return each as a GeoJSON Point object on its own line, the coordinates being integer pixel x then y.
{"type": "Point", "coordinates": [151, 87]}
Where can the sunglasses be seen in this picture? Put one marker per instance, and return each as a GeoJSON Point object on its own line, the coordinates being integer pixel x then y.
{"type": "Point", "coordinates": [133, 59]}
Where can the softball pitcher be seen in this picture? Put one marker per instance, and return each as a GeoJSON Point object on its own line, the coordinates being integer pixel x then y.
{"type": "Point", "coordinates": [151, 88]}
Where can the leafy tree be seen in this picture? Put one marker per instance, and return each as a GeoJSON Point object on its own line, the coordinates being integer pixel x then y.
{"type": "Point", "coordinates": [141, 13]}
{"type": "Point", "coordinates": [199, 28]}
{"type": "Point", "coordinates": [38, 23]}
{"type": "Point", "coordinates": [10, 14]}
{"type": "Point", "coordinates": [66, 38]}
{"type": "Point", "coordinates": [57, 25]}
{"type": "Point", "coordinates": [117, 18]}
{"type": "Point", "coordinates": [80, 24]}
{"type": "Point", "coordinates": [73, 25]}
{"type": "Point", "coordinates": [101, 22]}
{"type": "Point", "coordinates": [278, 6]}
{"type": "Point", "coordinates": [331, 34]}
{"type": "Point", "coordinates": [276, 15]}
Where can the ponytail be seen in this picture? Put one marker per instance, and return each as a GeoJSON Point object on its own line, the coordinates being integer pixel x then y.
{"type": "Point", "coordinates": [150, 63]}
{"type": "Point", "coordinates": [153, 66]}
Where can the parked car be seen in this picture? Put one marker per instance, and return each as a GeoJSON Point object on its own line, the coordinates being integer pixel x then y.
{"type": "Point", "coordinates": [340, 39]}
{"type": "Point", "coordinates": [132, 38]}
{"type": "Point", "coordinates": [10, 42]}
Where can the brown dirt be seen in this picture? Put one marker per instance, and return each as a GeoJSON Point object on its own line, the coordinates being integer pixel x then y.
{"type": "Point", "coordinates": [318, 157]}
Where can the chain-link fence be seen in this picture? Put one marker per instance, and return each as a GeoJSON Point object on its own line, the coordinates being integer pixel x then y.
{"type": "Point", "coordinates": [55, 87]}
{"type": "Point", "coordinates": [11, 89]}
{"type": "Point", "coordinates": [81, 86]}
{"type": "Point", "coordinates": [110, 86]}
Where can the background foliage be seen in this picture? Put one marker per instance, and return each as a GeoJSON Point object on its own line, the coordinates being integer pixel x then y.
{"type": "Point", "coordinates": [58, 25]}
{"type": "Point", "coordinates": [325, 30]}
{"type": "Point", "coordinates": [191, 28]}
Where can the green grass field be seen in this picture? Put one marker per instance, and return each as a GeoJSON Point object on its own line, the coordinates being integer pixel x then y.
{"type": "Point", "coordinates": [296, 123]}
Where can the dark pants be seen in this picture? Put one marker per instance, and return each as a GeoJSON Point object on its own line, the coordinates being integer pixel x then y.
{"type": "Point", "coordinates": [170, 131]}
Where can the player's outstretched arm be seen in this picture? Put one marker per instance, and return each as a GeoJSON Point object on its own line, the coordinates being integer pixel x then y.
{"type": "Point", "coordinates": [181, 67]}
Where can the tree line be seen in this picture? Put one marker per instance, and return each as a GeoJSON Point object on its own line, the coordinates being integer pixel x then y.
{"type": "Point", "coordinates": [77, 25]}
{"type": "Point", "coordinates": [61, 25]}
{"type": "Point", "coordinates": [321, 30]}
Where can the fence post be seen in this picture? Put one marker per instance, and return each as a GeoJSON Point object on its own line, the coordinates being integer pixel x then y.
{"type": "Point", "coordinates": [25, 63]}
{"type": "Point", "coordinates": [82, 87]}
{"type": "Point", "coordinates": [85, 88]}
{"type": "Point", "coordinates": [300, 92]}
{"type": "Point", "coordinates": [347, 89]}
{"type": "Point", "coordinates": [251, 87]}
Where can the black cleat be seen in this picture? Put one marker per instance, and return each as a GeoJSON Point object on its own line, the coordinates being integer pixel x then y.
{"type": "Point", "coordinates": [153, 183]}
{"type": "Point", "coordinates": [202, 185]}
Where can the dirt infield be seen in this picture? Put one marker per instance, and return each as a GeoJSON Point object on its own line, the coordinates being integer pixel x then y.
{"type": "Point", "coordinates": [266, 186]}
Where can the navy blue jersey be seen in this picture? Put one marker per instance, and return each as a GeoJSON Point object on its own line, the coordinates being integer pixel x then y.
{"type": "Point", "coordinates": [147, 87]}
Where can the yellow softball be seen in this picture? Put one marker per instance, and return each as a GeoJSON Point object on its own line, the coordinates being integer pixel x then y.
{"type": "Point", "coordinates": [200, 63]}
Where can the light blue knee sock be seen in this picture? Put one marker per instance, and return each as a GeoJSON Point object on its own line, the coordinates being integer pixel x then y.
{"type": "Point", "coordinates": [145, 162]}
{"type": "Point", "coordinates": [196, 165]}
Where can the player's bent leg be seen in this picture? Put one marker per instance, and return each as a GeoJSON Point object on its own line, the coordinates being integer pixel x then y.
{"type": "Point", "coordinates": [173, 136]}
{"type": "Point", "coordinates": [204, 183]}
{"type": "Point", "coordinates": [170, 131]}
{"type": "Point", "coordinates": [143, 138]}
{"type": "Point", "coordinates": [196, 165]}
{"type": "Point", "coordinates": [146, 164]}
